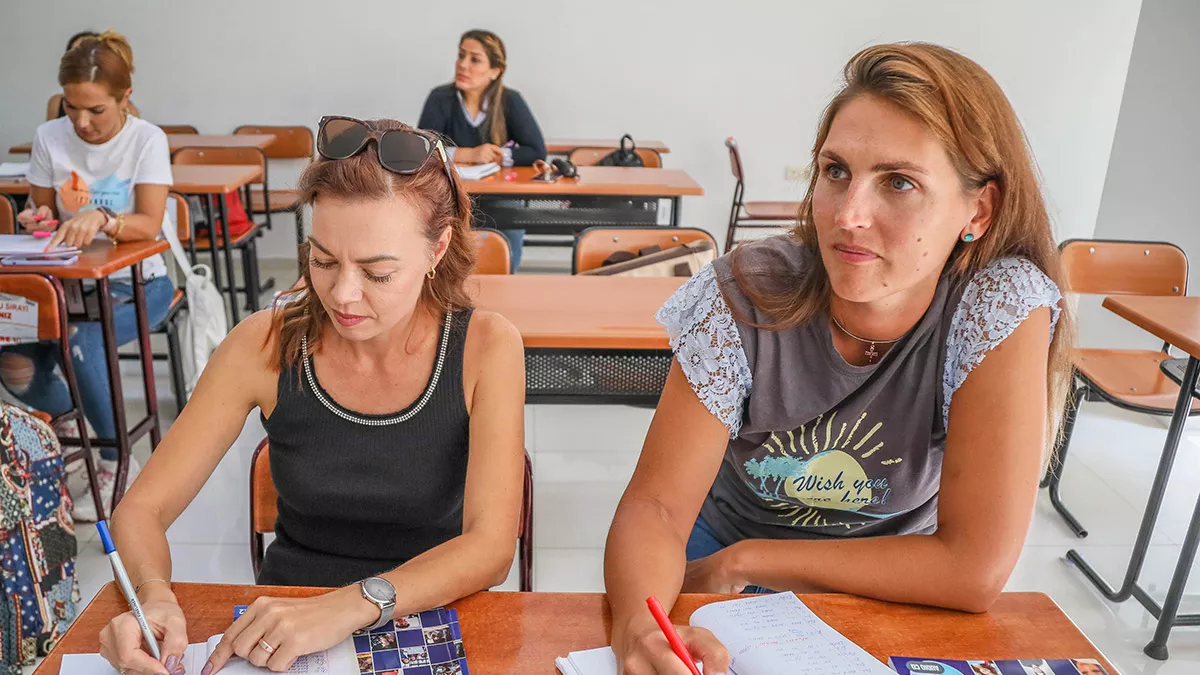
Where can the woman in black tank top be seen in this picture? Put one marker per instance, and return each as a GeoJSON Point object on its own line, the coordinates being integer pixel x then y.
{"type": "Point", "coordinates": [394, 414]}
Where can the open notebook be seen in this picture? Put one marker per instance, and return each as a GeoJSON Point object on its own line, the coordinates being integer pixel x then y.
{"type": "Point", "coordinates": [477, 171]}
{"type": "Point", "coordinates": [429, 643]}
{"type": "Point", "coordinates": [336, 661]}
{"type": "Point", "coordinates": [766, 635]}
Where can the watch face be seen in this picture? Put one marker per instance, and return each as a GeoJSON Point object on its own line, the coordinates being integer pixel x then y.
{"type": "Point", "coordinates": [380, 589]}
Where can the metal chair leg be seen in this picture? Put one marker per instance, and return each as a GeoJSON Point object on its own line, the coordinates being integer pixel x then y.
{"type": "Point", "coordinates": [1058, 462]}
{"type": "Point", "coordinates": [174, 354]}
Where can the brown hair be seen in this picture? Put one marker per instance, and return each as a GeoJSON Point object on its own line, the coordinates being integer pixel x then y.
{"type": "Point", "coordinates": [965, 108]}
{"type": "Point", "coordinates": [361, 178]}
{"type": "Point", "coordinates": [496, 126]}
{"type": "Point", "coordinates": [106, 59]}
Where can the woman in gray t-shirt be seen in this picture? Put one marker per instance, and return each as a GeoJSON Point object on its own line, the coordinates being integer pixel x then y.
{"type": "Point", "coordinates": [804, 438]}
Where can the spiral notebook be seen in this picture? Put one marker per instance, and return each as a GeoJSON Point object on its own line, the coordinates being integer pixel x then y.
{"type": "Point", "coordinates": [766, 635]}
{"type": "Point", "coordinates": [429, 643]}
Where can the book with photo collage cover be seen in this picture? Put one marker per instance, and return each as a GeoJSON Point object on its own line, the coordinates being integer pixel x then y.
{"type": "Point", "coordinates": [429, 643]}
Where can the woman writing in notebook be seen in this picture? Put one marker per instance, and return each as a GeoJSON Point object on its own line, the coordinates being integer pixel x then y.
{"type": "Point", "coordinates": [486, 120]}
{"type": "Point", "coordinates": [102, 173]}
{"type": "Point", "coordinates": [863, 406]}
{"type": "Point", "coordinates": [394, 414]}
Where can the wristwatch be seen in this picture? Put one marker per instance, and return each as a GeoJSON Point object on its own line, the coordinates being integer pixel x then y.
{"type": "Point", "coordinates": [112, 215]}
{"type": "Point", "coordinates": [382, 593]}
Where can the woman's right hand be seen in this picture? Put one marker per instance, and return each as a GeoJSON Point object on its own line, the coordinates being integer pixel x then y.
{"type": "Point", "coordinates": [644, 650]}
{"type": "Point", "coordinates": [37, 220]}
{"type": "Point", "coordinates": [122, 645]}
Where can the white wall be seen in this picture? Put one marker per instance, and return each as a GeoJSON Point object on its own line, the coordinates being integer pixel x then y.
{"type": "Point", "coordinates": [1150, 190]}
{"type": "Point", "coordinates": [689, 73]}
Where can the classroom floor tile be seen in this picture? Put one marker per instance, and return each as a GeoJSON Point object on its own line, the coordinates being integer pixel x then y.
{"type": "Point", "coordinates": [583, 457]}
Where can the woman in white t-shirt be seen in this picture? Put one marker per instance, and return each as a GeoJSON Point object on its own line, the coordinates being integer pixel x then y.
{"type": "Point", "coordinates": [102, 173]}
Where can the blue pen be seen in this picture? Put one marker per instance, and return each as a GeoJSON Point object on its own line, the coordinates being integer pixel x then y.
{"type": "Point", "coordinates": [127, 588]}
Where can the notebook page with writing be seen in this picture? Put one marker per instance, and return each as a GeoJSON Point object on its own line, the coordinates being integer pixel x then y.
{"type": "Point", "coordinates": [777, 633]}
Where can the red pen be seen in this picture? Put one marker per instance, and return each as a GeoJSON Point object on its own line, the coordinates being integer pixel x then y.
{"type": "Point", "coordinates": [676, 642]}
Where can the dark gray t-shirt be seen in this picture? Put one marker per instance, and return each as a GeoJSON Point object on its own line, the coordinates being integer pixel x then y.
{"type": "Point", "coordinates": [820, 448]}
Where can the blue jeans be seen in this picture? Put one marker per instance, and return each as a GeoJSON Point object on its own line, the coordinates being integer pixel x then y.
{"type": "Point", "coordinates": [47, 391]}
{"type": "Point", "coordinates": [516, 243]}
{"type": "Point", "coordinates": [703, 542]}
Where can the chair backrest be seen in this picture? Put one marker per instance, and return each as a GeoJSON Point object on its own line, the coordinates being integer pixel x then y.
{"type": "Point", "coordinates": [47, 292]}
{"type": "Point", "coordinates": [8, 215]}
{"type": "Point", "coordinates": [178, 129]}
{"type": "Point", "coordinates": [263, 497]}
{"type": "Point", "coordinates": [290, 142]}
{"type": "Point", "coordinates": [735, 159]}
{"type": "Point", "coordinates": [592, 156]}
{"type": "Point", "coordinates": [1103, 266]}
{"type": "Point", "coordinates": [597, 243]}
{"type": "Point", "coordinates": [494, 256]}
{"type": "Point", "coordinates": [193, 156]}
{"type": "Point", "coordinates": [183, 216]}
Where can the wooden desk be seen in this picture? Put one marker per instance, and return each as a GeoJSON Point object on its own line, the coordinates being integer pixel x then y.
{"type": "Point", "coordinates": [213, 181]}
{"type": "Point", "coordinates": [589, 340]}
{"type": "Point", "coordinates": [564, 146]}
{"type": "Point", "coordinates": [507, 633]}
{"type": "Point", "coordinates": [14, 186]}
{"type": "Point", "coordinates": [601, 195]}
{"type": "Point", "coordinates": [199, 179]}
{"type": "Point", "coordinates": [99, 261]}
{"type": "Point", "coordinates": [203, 179]}
{"type": "Point", "coordinates": [607, 181]}
{"type": "Point", "coordinates": [579, 312]}
{"type": "Point", "coordinates": [1175, 320]}
{"type": "Point", "coordinates": [177, 141]}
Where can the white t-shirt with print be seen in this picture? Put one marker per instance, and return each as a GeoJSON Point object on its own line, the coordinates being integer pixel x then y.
{"type": "Point", "coordinates": [85, 176]}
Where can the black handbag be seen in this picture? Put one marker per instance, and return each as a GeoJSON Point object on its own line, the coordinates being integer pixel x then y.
{"type": "Point", "coordinates": [623, 156]}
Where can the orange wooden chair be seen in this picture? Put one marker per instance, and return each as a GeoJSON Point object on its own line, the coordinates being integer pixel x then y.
{"type": "Point", "coordinates": [1127, 378]}
{"type": "Point", "coordinates": [291, 142]}
{"type": "Point", "coordinates": [595, 244]}
{"type": "Point", "coordinates": [47, 292]}
{"type": "Point", "coordinates": [8, 215]}
{"type": "Point", "coordinates": [759, 215]}
{"type": "Point", "coordinates": [494, 256]}
{"type": "Point", "coordinates": [264, 504]}
{"type": "Point", "coordinates": [245, 243]}
{"type": "Point", "coordinates": [178, 129]}
{"type": "Point", "coordinates": [592, 156]}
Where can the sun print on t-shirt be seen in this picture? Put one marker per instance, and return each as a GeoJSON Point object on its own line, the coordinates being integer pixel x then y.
{"type": "Point", "coordinates": [815, 477]}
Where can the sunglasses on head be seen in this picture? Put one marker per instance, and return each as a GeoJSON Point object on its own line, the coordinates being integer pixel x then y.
{"type": "Point", "coordinates": [402, 151]}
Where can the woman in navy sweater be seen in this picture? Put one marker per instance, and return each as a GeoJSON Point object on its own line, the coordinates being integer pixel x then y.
{"type": "Point", "coordinates": [487, 121]}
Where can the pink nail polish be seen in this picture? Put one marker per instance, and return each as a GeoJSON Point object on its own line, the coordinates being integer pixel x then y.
{"type": "Point", "coordinates": [172, 662]}
{"type": "Point", "coordinates": [208, 668]}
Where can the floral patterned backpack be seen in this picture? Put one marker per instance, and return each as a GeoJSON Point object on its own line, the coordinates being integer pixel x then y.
{"type": "Point", "coordinates": [37, 541]}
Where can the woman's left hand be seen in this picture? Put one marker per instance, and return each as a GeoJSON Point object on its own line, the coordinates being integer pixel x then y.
{"type": "Point", "coordinates": [292, 627]}
{"type": "Point", "coordinates": [80, 230]}
{"type": "Point", "coordinates": [713, 574]}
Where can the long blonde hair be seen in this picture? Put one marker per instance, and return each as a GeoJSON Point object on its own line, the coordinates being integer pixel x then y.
{"type": "Point", "coordinates": [969, 113]}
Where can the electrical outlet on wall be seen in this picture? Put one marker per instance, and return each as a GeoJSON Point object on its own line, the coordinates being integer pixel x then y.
{"type": "Point", "coordinates": [797, 173]}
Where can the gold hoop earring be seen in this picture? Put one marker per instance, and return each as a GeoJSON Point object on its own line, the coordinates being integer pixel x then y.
{"type": "Point", "coordinates": [431, 273]}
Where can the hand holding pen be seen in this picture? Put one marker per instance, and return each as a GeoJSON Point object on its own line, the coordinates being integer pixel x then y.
{"type": "Point", "coordinates": [131, 641]}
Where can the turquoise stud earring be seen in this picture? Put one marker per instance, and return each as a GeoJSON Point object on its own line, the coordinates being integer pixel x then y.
{"type": "Point", "coordinates": [968, 237]}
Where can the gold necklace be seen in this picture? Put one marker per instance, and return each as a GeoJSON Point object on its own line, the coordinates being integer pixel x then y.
{"type": "Point", "coordinates": [871, 354]}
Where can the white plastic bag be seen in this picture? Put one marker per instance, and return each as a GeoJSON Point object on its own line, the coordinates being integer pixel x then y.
{"type": "Point", "coordinates": [205, 326]}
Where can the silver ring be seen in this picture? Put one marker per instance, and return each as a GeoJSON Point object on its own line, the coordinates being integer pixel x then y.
{"type": "Point", "coordinates": [266, 647]}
